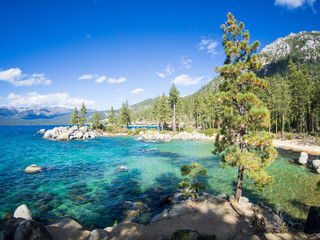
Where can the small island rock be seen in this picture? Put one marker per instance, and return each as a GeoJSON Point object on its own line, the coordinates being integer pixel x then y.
{"type": "Point", "coordinates": [303, 159]}
{"type": "Point", "coordinates": [316, 163]}
{"type": "Point", "coordinates": [23, 212]}
{"type": "Point", "coordinates": [33, 168]}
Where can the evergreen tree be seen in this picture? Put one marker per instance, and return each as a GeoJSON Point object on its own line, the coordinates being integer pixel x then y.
{"type": "Point", "coordinates": [74, 117]}
{"type": "Point", "coordinates": [163, 109]}
{"type": "Point", "coordinates": [173, 99]}
{"type": "Point", "coordinates": [243, 143]}
{"type": "Point", "coordinates": [112, 116]}
{"type": "Point", "coordinates": [155, 110]}
{"type": "Point", "coordinates": [83, 112]}
{"type": "Point", "coordinates": [96, 120]}
{"type": "Point", "coordinates": [190, 183]}
{"type": "Point", "coordinates": [125, 115]}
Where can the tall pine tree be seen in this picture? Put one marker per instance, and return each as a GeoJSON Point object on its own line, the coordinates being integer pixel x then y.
{"type": "Point", "coordinates": [112, 116]}
{"type": "Point", "coordinates": [83, 112]}
{"type": "Point", "coordinates": [173, 99]}
{"type": "Point", "coordinates": [96, 120]}
{"type": "Point", "coordinates": [125, 115]}
{"type": "Point", "coordinates": [244, 143]}
{"type": "Point", "coordinates": [74, 117]}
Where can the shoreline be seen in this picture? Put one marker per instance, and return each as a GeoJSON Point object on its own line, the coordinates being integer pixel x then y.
{"type": "Point", "coordinates": [294, 145]}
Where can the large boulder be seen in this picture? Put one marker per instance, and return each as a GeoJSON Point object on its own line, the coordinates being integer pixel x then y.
{"type": "Point", "coordinates": [78, 135]}
{"type": "Point", "coordinates": [316, 163]}
{"type": "Point", "coordinates": [33, 168]}
{"type": "Point", "coordinates": [30, 229]}
{"type": "Point", "coordinates": [83, 129]}
{"type": "Point", "coordinates": [63, 136]}
{"type": "Point", "coordinates": [23, 212]}
{"type": "Point", "coordinates": [303, 159]}
{"type": "Point", "coordinates": [98, 234]}
{"type": "Point", "coordinates": [67, 228]}
{"type": "Point", "coordinates": [312, 224]}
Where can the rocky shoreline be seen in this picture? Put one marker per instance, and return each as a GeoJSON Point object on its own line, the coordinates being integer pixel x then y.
{"type": "Point", "coordinates": [210, 216]}
{"type": "Point", "coordinates": [155, 136]}
{"type": "Point", "coordinates": [66, 133]}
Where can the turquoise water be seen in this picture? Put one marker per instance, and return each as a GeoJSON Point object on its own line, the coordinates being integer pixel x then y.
{"type": "Point", "coordinates": [80, 177]}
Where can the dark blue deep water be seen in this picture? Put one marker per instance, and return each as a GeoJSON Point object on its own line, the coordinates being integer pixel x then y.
{"type": "Point", "coordinates": [80, 177]}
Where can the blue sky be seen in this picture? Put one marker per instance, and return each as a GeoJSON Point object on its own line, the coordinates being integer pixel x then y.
{"type": "Point", "coordinates": [103, 52]}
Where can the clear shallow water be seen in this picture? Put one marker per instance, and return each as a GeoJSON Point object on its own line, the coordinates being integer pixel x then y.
{"type": "Point", "coordinates": [80, 177]}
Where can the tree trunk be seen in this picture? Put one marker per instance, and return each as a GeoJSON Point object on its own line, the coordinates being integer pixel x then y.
{"type": "Point", "coordinates": [239, 183]}
{"type": "Point", "coordinates": [276, 123]}
{"type": "Point", "coordinates": [174, 118]}
{"type": "Point", "coordinates": [283, 120]}
{"type": "Point", "coordinates": [269, 125]}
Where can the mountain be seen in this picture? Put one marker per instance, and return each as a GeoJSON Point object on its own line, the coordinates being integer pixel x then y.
{"type": "Point", "coordinates": [34, 115]}
{"type": "Point", "coordinates": [302, 48]}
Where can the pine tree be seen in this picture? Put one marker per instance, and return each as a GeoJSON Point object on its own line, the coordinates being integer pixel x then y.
{"type": "Point", "coordinates": [83, 112]}
{"type": "Point", "coordinates": [243, 143]}
{"type": "Point", "coordinates": [173, 99]}
{"type": "Point", "coordinates": [125, 115]}
{"type": "Point", "coordinates": [74, 117]}
{"type": "Point", "coordinates": [155, 110]}
{"type": "Point", "coordinates": [163, 110]}
{"type": "Point", "coordinates": [112, 116]}
{"type": "Point", "coordinates": [96, 120]}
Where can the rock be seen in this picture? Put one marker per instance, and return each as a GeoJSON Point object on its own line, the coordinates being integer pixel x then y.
{"type": "Point", "coordinates": [41, 131]}
{"type": "Point", "coordinates": [166, 199]}
{"type": "Point", "coordinates": [303, 159]}
{"type": "Point", "coordinates": [30, 229]}
{"type": "Point", "coordinates": [316, 163]}
{"type": "Point", "coordinates": [131, 214]}
{"type": "Point", "coordinates": [126, 205]}
{"type": "Point", "coordinates": [318, 170]}
{"type": "Point", "coordinates": [78, 135]}
{"type": "Point", "coordinates": [98, 234]}
{"type": "Point", "coordinates": [67, 228]}
{"type": "Point", "coordinates": [72, 129]}
{"type": "Point", "coordinates": [63, 136]}
{"type": "Point", "coordinates": [243, 200]}
{"type": "Point", "coordinates": [8, 227]}
{"type": "Point", "coordinates": [312, 224]}
{"type": "Point", "coordinates": [121, 169]}
{"type": "Point", "coordinates": [33, 168]}
{"type": "Point", "coordinates": [83, 129]}
{"type": "Point", "coordinates": [23, 212]}
{"type": "Point", "coordinates": [48, 134]}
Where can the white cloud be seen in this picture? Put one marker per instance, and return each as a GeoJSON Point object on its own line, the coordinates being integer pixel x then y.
{"type": "Point", "coordinates": [186, 80]}
{"type": "Point", "coordinates": [186, 63]}
{"type": "Point", "coordinates": [162, 75]}
{"type": "Point", "coordinates": [137, 91]}
{"type": "Point", "coordinates": [209, 45]}
{"type": "Point", "coordinates": [16, 78]}
{"type": "Point", "coordinates": [291, 4]}
{"type": "Point", "coordinates": [53, 99]}
{"type": "Point", "coordinates": [87, 77]}
{"type": "Point", "coordinates": [101, 79]}
{"type": "Point", "coordinates": [167, 71]}
{"type": "Point", "coordinates": [114, 80]}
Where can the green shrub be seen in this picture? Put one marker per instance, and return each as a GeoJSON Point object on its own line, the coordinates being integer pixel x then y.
{"type": "Point", "coordinates": [188, 130]}
{"type": "Point", "coordinates": [209, 132]}
{"type": "Point", "coordinates": [165, 132]}
{"type": "Point", "coordinates": [289, 136]}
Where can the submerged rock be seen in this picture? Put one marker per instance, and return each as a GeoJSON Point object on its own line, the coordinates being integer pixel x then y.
{"type": "Point", "coordinates": [23, 212]}
{"type": "Point", "coordinates": [121, 169]}
{"type": "Point", "coordinates": [303, 159]}
{"type": "Point", "coordinates": [33, 168]}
